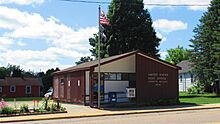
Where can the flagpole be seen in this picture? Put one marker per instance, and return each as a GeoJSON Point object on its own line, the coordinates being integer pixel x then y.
{"type": "Point", "coordinates": [99, 75]}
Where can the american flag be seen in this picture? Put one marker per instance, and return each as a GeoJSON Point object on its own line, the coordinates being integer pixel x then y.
{"type": "Point", "coordinates": [103, 19]}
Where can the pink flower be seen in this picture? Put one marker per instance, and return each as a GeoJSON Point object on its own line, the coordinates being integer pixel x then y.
{"type": "Point", "coordinates": [3, 104]}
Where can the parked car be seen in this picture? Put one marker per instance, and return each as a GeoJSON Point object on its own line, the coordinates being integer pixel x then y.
{"type": "Point", "coordinates": [49, 93]}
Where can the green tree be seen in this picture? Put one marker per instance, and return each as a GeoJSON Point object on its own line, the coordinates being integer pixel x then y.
{"type": "Point", "coordinates": [103, 47]}
{"type": "Point", "coordinates": [84, 59]}
{"type": "Point", "coordinates": [3, 72]}
{"type": "Point", "coordinates": [14, 71]}
{"type": "Point", "coordinates": [131, 28]}
{"type": "Point", "coordinates": [47, 79]}
{"type": "Point", "coordinates": [177, 55]}
{"type": "Point", "coordinates": [206, 48]}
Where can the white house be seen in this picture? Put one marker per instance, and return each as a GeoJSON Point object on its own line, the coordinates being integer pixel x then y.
{"type": "Point", "coordinates": [186, 77]}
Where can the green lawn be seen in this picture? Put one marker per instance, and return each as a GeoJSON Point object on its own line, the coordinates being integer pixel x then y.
{"type": "Point", "coordinates": [198, 98]}
{"type": "Point", "coordinates": [24, 99]}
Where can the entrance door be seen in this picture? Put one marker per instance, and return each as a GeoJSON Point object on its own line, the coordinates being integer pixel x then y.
{"type": "Point", "coordinates": [94, 89]}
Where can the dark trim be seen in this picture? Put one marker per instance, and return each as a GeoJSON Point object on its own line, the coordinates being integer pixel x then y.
{"type": "Point", "coordinates": [84, 96]}
{"type": "Point", "coordinates": [69, 71]}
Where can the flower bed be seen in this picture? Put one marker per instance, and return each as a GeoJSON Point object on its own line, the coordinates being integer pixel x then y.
{"type": "Point", "coordinates": [46, 106]}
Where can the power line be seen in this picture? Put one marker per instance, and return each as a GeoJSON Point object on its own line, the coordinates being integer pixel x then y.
{"type": "Point", "coordinates": [149, 4]}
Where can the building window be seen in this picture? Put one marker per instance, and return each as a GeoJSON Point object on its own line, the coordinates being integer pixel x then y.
{"type": "Point", "coordinates": [112, 76]}
{"type": "Point", "coordinates": [116, 76]}
{"type": "Point", "coordinates": [12, 88]}
{"type": "Point", "coordinates": [28, 89]}
{"type": "Point", "coordinates": [181, 78]}
{"type": "Point", "coordinates": [124, 76]}
{"type": "Point", "coordinates": [62, 81]}
{"type": "Point", "coordinates": [192, 78]}
{"type": "Point", "coordinates": [0, 89]}
{"type": "Point", "coordinates": [119, 77]}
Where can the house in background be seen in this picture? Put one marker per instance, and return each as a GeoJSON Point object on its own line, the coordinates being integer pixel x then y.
{"type": "Point", "coordinates": [186, 77]}
{"type": "Point", "coordinates": [132, 76]}
{"type": "Point", "coordinates": [12, 87]}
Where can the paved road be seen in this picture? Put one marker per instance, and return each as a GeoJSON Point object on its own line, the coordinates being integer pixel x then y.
{"type": "Point", "coordinates": [183, 117]}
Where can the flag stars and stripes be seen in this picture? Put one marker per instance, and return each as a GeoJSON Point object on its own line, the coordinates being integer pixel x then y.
{"type": "Point", "coordinates": [103, 19]}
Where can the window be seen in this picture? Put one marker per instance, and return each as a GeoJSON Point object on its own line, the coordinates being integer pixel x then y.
{"type": "Point", "coordinates": [119, 76]}
{"type": "Point", "coordinates": [28, 89]}
{"type": "Point", "coordinates": [116, 76]}
{"type": "Point", "coordinates": [124, 76]}
{"type": "Point", "coordinates": [12, 88]}
{"type": "Point", "coordinates": [192, 78]}
{"type": "Point", "coordinates": [62, 81]}
{"type": "Point", "coordinates": [112, 76]}
{"type": "Point", "coordinates": [181, 78]}
{"type": "Point", "coordinates": [0, 89]}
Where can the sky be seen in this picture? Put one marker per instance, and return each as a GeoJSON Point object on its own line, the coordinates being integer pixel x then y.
{"type": "Point", "coordinates": [43, 34]}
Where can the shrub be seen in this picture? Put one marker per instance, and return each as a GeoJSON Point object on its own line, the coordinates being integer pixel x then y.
{"type": "Point", "coordinates": [45, 103]}
{"type": "Point", "coordinates": [24, 108]}
{"type": "Point", "coordinates": [7, 110]}
{"type": "Point", "coordinates": [62, 109]}
{"type": "Point", "coordinates": [196, 89]}
{"type": "Point", "coordinates": [53, 107]}
{"type": "Point", "coordinates": [41, 110]}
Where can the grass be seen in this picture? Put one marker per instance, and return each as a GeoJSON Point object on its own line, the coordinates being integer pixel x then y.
{"type": "Point", "coordinates": [24, 99]}
{"type": "Point", "coordinates": [208, 98]}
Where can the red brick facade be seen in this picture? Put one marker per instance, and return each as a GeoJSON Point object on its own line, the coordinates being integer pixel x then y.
{"type": "Point", "coordinates": [21, 87]}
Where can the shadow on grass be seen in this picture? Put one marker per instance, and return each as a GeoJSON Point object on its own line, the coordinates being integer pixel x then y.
{"type": "Point", "coordinates": [126, 107]}
{"type": "Point", "coordinates": [199, 96]}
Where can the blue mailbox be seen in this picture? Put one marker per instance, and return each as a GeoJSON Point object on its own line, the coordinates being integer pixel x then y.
{"type": "Point", "coordinates": [112, 97]}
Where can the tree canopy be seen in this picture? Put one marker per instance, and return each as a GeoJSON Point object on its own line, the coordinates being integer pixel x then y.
{"type": "Point", "coordinates": [206, 47]}
{"type": "Point", "coordinates": [177, 55]}
{"type": "Point", "coordinates": [14, 71]}
{"type": "Point", "coordinates": [84, 59]}
{"type": "Point", "coordinates": [47, 79]}
{"type": "Point", "coordinates": [130, 29]}
{"type": "Point", "coordinates": [103, 47]}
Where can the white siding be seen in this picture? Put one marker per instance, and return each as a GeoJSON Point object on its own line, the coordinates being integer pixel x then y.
{"type": "Point", "coordinates": [126, 65]}
{"type": "Point", "coordinates": [185, 82]}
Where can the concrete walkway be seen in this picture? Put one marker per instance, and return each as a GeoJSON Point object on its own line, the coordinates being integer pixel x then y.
{"type": "Point", "coordinates": [79, 111]}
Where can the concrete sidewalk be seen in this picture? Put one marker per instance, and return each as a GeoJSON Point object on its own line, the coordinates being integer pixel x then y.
{"type": "Point", "coordinates": [78, 111]}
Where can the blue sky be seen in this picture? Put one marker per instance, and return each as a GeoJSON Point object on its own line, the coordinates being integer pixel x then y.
{"type": "Point", "coordinates": [43, 34]}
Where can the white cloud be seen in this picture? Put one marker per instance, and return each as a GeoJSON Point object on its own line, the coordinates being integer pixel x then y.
{"type": "Point", "coordinates": [34, 26]}
{"type": "Point", "coordinates": [29, 59]}
{"type": "Point", "coordinates": [21, 43]}
{"type": "Point", "coordinates": [159, 35]}
{"type": "Point", "coordinates": [168, 26]}
{"type": "Point", "coordinates": [163, 54]}
{"type": "Point", "coordinates": [180, 2]}
{"type": "Point", "coordinates": [5, 41]}
{"type": "Point", "coordinates": [63, 41]}
{"type": "Point", "coordinates": [22, 2]}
